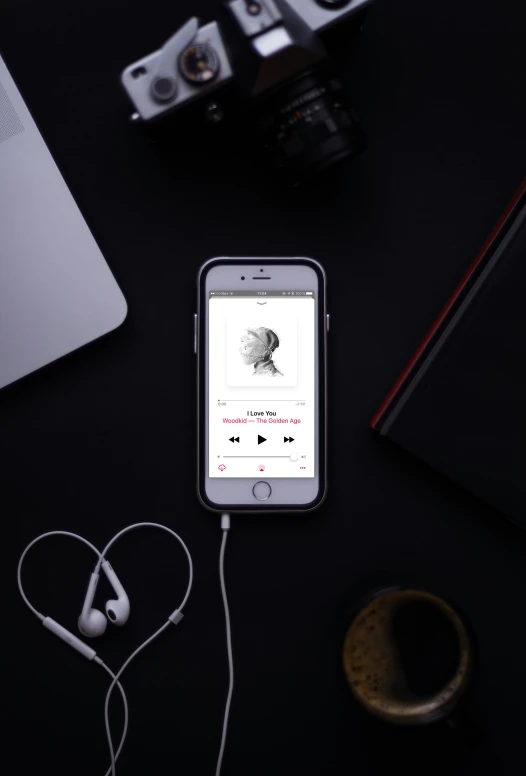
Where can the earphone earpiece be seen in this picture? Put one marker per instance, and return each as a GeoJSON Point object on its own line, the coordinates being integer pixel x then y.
{"type": "Point", "coordinates": [117, 610]}
{"type": "Point", "coordinates": [92, 622]}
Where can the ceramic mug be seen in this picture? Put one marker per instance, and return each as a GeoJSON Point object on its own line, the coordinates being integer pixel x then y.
{"type": "Point", "coordinates": [407, 656]}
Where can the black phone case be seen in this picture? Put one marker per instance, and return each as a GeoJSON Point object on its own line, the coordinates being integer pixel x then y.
{"type": "Point", "coordinates": [322, 382]}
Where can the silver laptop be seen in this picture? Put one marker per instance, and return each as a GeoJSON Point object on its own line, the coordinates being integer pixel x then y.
{"type": "Point", "coordinates": [56, 291]}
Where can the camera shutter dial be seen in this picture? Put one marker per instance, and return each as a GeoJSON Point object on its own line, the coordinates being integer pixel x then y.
{"type": "Point", "coordinates": [199, 64]}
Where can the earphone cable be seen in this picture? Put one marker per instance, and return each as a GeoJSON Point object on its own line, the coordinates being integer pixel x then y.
{"type": "Point", "coordinates": [162, 528]}
{"type": "Point", "coordinates": [116, 678]}
{"type": "Point", "coordinates": [114, 757]}
{"type": "Point", "coordinates": [225, 526]}
{"type": "Point", "coordinates": [174, 618]}
{"type": "Point", "coordinates": [35, 541]}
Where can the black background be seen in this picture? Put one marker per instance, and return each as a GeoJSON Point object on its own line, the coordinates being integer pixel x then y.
{"type": "Point", "coordinates": [107, 437]}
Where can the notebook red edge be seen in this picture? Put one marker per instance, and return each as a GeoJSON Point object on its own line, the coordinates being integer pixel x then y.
{"type": "Point", "coordinates": [445, 310]}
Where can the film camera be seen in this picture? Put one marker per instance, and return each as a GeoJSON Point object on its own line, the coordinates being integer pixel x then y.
{"type": "Point", "coordinates": [267, 67]}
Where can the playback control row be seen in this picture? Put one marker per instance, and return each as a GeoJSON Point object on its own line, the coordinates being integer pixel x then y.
{"type": "Point", "coordinates": [261, 439]}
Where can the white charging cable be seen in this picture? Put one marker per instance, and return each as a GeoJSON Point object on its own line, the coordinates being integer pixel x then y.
{"type": "Point", "coordinates": [225, 527]}
{"type": "Point", "coordinates": [41, 617]}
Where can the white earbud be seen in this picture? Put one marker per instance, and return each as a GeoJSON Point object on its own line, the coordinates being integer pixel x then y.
{"type": "Point", "coordinates": [117, 609]}
{"type": "Point", "coordinates": [92, 622]}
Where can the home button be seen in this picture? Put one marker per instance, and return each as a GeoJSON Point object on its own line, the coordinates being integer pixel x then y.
{"type": "Point", "coordinates": [262, 491]}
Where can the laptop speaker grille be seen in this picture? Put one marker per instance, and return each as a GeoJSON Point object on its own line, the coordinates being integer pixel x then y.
{"type": "Point", "coordinates": [10, 124]}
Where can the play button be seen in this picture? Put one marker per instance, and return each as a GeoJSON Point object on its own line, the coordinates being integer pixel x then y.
{"type": "Point", "coordinates": [261, 439]}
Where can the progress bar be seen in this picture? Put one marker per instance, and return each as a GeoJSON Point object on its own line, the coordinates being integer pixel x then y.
{"type": "Point", "coordinates": [256, 456]}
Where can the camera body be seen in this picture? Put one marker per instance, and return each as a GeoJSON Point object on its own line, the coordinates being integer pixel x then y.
{"type": "Point", "coordinates": [270, 54]}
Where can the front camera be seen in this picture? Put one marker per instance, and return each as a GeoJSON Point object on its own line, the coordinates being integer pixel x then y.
{"type": "Point", "coordinates": [242, 277]}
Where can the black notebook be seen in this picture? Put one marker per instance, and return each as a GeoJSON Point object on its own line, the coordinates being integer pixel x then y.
{"type": "Point", "coordinates": [460, 404]}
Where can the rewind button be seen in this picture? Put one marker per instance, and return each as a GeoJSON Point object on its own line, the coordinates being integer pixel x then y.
{"type": "Point", "coordinates": [234, 439]}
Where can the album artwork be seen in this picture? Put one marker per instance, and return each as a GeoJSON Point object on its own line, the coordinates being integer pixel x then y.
{"type": "Point", "coordinates": [262, 351]}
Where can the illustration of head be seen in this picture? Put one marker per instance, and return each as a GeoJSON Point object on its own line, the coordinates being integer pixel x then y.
{"type": "Point", "coordinates": [258, 345]}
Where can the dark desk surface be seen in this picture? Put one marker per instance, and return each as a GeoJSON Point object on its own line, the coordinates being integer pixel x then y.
{"type": "Point", "coordinates": [107, 437]}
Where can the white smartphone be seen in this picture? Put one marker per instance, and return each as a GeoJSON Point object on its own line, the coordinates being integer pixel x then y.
{"type": "Point", "coordinates": [260, 339]}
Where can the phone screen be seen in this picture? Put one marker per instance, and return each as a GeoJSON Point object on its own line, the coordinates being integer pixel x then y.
{"type": "Point", "coordinates": [262, 384]}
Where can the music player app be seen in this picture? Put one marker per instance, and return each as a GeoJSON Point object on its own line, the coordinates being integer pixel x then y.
{"type": "Point", "coordinates": [262, 384]}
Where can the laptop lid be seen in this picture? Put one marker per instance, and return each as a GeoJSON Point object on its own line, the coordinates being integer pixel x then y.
{"type": "Point", "coordinates": [56, 291]}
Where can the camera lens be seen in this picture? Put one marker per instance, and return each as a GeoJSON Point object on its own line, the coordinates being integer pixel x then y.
{"type": "Point", "coordinates": [242, 277]}
{"type": "Point", "coordinates": [308, 125]}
